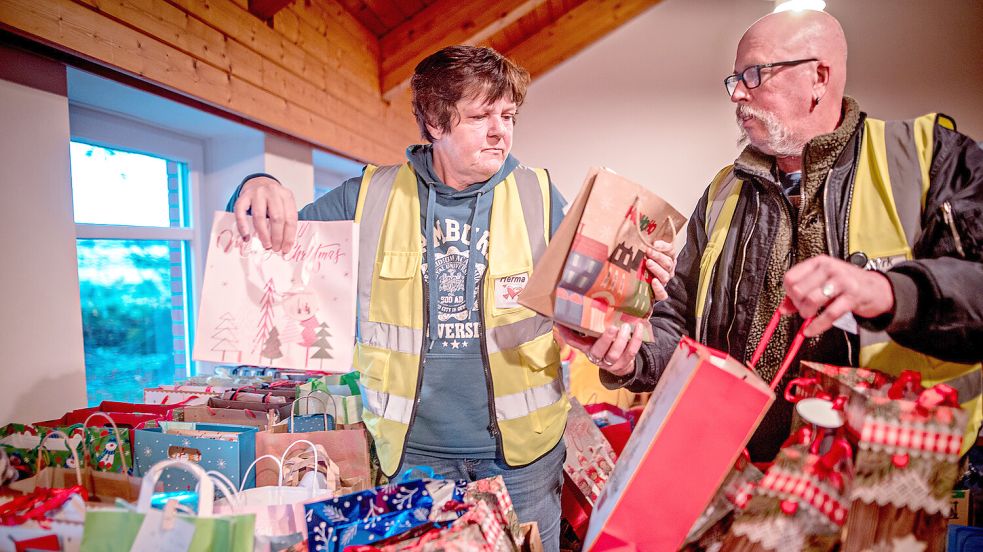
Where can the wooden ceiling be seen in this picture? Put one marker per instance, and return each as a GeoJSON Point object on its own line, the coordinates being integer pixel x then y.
{"type": "Point", "coordinates": [538, 34]}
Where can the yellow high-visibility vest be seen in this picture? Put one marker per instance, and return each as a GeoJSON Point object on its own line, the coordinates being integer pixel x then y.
{"type": "Point", "coordinates": [521, 357]}
{"type": "Point", "coordinates": [889, 191]}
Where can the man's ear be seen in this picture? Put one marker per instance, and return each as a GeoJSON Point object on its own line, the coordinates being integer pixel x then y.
{"type": "Point", "coordinates": [822, 80]}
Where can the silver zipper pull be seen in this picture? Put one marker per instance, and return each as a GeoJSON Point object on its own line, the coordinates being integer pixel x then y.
{"type": "Point", "coordinates": [947, 216]}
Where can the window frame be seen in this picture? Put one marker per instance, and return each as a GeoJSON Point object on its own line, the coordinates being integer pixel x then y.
{"type": "Point", "coordinates": [98, 128]}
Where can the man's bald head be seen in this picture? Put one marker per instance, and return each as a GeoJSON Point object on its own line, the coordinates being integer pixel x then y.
{"type": "Point", "coordinates": [793, 102]}
{"type": "Point", "coordinates": [801, 35]}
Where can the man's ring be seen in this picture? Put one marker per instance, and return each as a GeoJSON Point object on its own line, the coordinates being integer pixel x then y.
{"type": "Point", "coordinates": [593, 359]}
{"type": "Point", "coordinates": [828, 290]}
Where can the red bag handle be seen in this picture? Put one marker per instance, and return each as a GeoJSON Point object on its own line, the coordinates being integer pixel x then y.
{"type": "Point", "coordinates": [792, 350]}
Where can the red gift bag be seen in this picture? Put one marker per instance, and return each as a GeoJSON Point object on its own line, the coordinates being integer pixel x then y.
{"type": "Point", "coordinates": [615, 423]}
{"type": "Point", "coordinates": [698, 421]}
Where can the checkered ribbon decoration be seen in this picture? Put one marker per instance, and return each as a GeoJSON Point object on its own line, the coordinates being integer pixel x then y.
{"type": "Point", "coordinates": [807, 491]}
{"type": "Point", "coordinates": [891, 435]}
{"type": "Point", "coordinates": [481, 515]}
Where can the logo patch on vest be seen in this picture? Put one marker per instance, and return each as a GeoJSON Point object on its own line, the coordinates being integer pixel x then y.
{"type": "Point", "coordinates": [507, 290]}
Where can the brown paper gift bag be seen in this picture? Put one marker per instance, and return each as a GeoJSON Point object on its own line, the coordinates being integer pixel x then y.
{"type": "Point", "coordinates": [348, 448]}
{"type": "Point", "coordinates": [593, 274]}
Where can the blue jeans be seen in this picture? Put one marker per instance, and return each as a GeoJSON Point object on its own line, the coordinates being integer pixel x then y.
{"type": "Point", "coordinates": [534, 489]}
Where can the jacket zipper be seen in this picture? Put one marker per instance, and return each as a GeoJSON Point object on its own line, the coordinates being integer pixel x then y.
{"type": "Point", "coordinates": [740, 275]}
{"type": "Point", "coordinates": [845, 253]}
{"type": "Point", "coordinates": [482, 339]}
{"type": "Point", "coordinates": [702, 338]}
{"type": "Point", "coordinates": [419, 376]}
{"type": "Point", "coordinates": [947, 215]}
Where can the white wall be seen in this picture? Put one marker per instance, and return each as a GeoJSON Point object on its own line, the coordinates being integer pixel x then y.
{"type": "Point", "coordinates": [648, 100]}
{"type": "Point", "coordinates": [40, 316]}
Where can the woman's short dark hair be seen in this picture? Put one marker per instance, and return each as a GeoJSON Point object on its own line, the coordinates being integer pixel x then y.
{"type": "Point", "coordinates": [459, 72]}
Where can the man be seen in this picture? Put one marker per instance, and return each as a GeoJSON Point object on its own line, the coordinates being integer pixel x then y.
{"type": "Point", "coordinates": [455, 374]}
{"type": "Point", "coordinates": [821, 214]}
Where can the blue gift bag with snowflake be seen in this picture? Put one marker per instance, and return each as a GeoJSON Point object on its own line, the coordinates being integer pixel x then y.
{"type": "Point", "coordinates": [367, 517]}
{"type": "Point", "coordinates": [227, 449]}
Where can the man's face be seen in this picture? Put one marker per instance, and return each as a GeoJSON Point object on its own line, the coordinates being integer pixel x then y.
{"type": "Point", "coordinates": [478, 143]}
{"type": "Point", "coordinates": [771, 116]}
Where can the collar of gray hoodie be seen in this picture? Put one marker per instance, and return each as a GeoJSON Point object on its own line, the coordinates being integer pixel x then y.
{"type": "Point", "coordinates": [421, 158]}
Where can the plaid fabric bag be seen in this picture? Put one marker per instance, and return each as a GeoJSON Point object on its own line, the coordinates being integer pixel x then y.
{"type": "Point", "coordinates": [800, 503]}
{"type": "Point", "coordinates": [907, 464]}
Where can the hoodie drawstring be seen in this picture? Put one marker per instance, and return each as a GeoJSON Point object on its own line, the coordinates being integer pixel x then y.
{"type": "Point", "coordinates": [431, 262]}
{"type": "Point", "coordinates": [471, 277]}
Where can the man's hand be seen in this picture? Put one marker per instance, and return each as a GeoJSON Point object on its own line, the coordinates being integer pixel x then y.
{"type": "Point", "coordinates": [613, 351]}
{"type": "Point", "coordinates": [837, 287]}
{"type": "Point", "coordinates": [274, 213]}
{"type": "Point", "coordinates": [661, 262]}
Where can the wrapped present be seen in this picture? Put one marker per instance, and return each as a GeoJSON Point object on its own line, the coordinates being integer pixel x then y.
{"type": "Point", "coordinates": [367, 517]}
{"type": "Point", "coordinates": [592, 274]}
{"type": "Point", "coordinates": [492, 491]}
{"type": "Point", "coordinates": [176, 397]}
{"type": "Point", "coordinates": [907, 464]}
{"type": "Point", "coordinates": [704, 410]}
{"type": "Point", "coordinates": [800, 503]}
{"type": "Point", "coordinates": [227, 449]}
{"type": "Point", "coordinates": [286, 311]}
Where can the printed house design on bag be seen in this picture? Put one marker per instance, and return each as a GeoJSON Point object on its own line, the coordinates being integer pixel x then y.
{"type": "Point", "coordinates": [600, 281]}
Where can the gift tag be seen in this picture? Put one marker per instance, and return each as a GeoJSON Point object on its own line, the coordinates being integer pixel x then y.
{"type": "Point", "coordinates": [819, 412]}
{"type": "Point", "coordinates": [164, 531]}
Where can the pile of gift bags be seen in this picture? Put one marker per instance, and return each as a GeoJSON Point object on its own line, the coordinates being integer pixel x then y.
{"type": "Point", "coordinates": [870, 463]}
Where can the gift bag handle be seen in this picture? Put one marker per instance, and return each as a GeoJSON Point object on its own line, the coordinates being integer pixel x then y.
{"type": "Point", "coordinates": [324, 410]}
{"type": "Point", "coordinates": [792, 350]}
{"type": "Point", "coordinates": [119, 438]}
{"type": "Point", "coordinates": [68, 445]}
{"type": "Point", "coordinates": [283, 459]}
{"type": "Point", "coordinates": [279, 465]}
{"type": "Point", "coordinates": [206, 488]}
{"type": "Point", "coordinates": [227, 487]}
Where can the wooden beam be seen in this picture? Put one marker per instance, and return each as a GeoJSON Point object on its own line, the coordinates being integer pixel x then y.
{"type": "Point", "coordinates": [265, 9]}
{"type": "Point", "coordinates": [443, 23]}
{"type": "Point", "coordinates": [574, 31]}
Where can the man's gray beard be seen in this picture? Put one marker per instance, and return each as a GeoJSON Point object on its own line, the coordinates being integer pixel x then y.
{"type": "Point", "coordinates": [780, 141]}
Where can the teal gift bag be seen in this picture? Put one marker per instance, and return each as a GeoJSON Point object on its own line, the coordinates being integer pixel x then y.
{"type": "Point", "coordinates": [227, 449]}
{"type": "Point", "coordinates": [117, 529]}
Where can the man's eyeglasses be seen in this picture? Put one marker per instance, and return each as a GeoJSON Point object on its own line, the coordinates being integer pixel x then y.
{"type": "Point", "coordinates": [752, 75]}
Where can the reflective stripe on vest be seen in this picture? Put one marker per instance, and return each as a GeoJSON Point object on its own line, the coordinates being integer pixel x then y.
{"type": "Point", "coordinates": [523, 359]}
{"type": "Point", "coordinates": [891, 184]}
{"type": "Point", "coordinates": [721, 203]}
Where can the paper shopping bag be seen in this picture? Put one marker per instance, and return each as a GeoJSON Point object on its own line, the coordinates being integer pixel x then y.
{"type": "Point", "coordinates": [117, 529]}
{"type": "Point", "coordinates": [227, 449]}
{"type": "Point", "coordinates": [287, 311]}
{"type": "Point", "coordinates": [701, 415]}
{"type": "Point", "coordinates": [348, 448]}
{"type": "Point", "coordinates": [593, 274]}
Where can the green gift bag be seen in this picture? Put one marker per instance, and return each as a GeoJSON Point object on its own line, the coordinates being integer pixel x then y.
{"type": "Point", "coordinates": [113, 530]}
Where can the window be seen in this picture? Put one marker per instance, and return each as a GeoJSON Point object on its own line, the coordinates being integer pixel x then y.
{"type": "Point", "coordinates": [136, 248]}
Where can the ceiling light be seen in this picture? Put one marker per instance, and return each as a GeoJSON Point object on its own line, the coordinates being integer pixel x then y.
{"type": "Point", "coordinates": [787, 5]}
